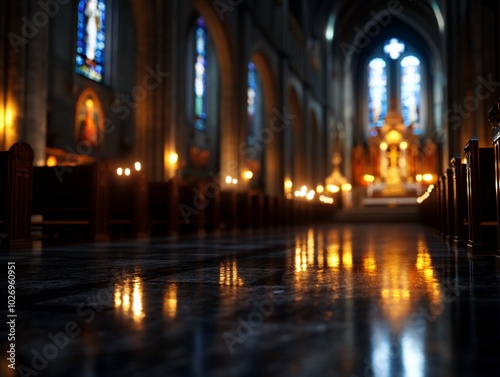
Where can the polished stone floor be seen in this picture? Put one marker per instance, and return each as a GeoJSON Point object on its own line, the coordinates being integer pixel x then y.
{"type": "Point", "coordinates": [332, 300]}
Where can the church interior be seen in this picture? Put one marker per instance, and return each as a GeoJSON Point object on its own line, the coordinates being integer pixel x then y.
{"type": "Point", "coordinates": [250, 188]}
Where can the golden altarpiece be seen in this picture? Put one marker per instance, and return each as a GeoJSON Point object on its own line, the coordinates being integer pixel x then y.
{"type": "Point", "coordinates": [394, 159]}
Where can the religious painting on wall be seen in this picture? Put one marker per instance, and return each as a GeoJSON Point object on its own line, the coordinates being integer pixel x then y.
{"type": "Point", "coordinates": [89, 120]}
{"type": "Point", "coordinates": [90, 43]}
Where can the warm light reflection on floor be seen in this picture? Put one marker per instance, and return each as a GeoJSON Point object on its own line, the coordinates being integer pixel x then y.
{"type": "Point", "coordinates": [400, 283]}
{"type": "Point", "coordinates": [228, 274]}
{"type": "Point", "coordinates": [369, 263]}
{"type": "Point", "coordinates": [170, 301]}
{"type": "Point", "coordinates": [128, 299]}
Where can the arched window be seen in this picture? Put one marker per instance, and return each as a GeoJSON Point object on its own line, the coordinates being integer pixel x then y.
{"type": "Point", "coordinates": [395, 75]}
{"type": "Point", "coordinates": [200, 75]}
{"type": "Point", "coordinates": [377, 92]}
{"type": "Point", "coordinates": [91, 39]}
{"type": "Point", "coordinates": [410, 91]}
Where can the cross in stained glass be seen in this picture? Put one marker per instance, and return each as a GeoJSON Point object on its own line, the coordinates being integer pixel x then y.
{"type": "Point", "coordinates": [394, 48]}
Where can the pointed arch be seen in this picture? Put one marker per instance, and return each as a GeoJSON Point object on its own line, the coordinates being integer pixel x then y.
{"type": "Point", "coordinates": [271, 167]}
{"type": "Point", "coordinates": [228, 134]}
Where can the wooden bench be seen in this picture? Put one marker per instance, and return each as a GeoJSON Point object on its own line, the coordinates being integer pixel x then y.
{"type": "Point", "coordinates": [460, 211]}
{"type": "Point", "coordinates": [244, 210]}
{"type": "Point", "coordinates": [279, 210]}
{"type": "Point", "coordinates": [256, 213]}
{"type": "Point", "coordinates": [481, 200]}
{"type": "Point", "coordinates": [441, 191]}
{"type": "Point", "coordinates": [16, 185]}
{"type": "Point", "coordinates": [447, 221]}
{"type": "Point", "coordinates": [72, 201]}
{"type": "Point", "coordinates": [164, 207]}
{"type": "Point", "coordinates": [128, 206]}
{"type": "Point", "coordinates": [228, 210]}
{"type": "Point", "coordinates": [191, 208]}
{"type": "Point", "coordinates": [269, 214]}
{"type": "Point", "coordinates": [212, 210]}
{"type": "Point", "coordinates": [496, 148]}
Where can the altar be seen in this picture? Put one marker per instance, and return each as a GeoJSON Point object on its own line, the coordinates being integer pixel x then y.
{"type": "Point", "coordinates": [394, 158]}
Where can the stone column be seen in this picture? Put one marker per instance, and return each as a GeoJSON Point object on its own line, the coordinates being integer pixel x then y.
{"type": "Point", "coordinates": [25, 76]}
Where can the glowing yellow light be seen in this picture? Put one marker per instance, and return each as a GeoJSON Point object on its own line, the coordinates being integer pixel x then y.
{"type": "Point", "coordinates": [419, 177]}
{"type": "Point", "coordinates": [288, 184]}
{"type": "Point", "coordinates": [126, 299]}
{"type": "Point", "coordinates": [51, 161]}
{"type": "Point", "coordinates": [333, 188]}
{"type": "Point", "coordinates": [346, 187]}
{"type": "Point", "coordinates": [119, 171]}
{"type": "Point", "coordinates": [9, 117]}
{"type": "Point", "coordinates": [403, 145]}
{"type": "Point", "coordinates": [127, 172]}
{"type": "Point", "coordinates": [310, 195]}
{"type": "Point", "coordinates": [347, 257]}
{"type": "Point", "coordinates": [137, 166]}
{"type": "Point", "coordinates": [228, 274]}
{"type": "Point", "coordinates": [394, 137]}
{"type": "Point", "coordinates": [383, 146]}
{"type": "Point", "coordinates": [369, 178]}
{"type": "Point", "coordinates": [427, 177]}
{"type": "Point", "coordinates": [170, 301]}
{"type": "Point", "coordinates": [247, 174]}
{"type": "Point", "coordinates": [464, 160]}
{"type": "Point", "coordinates": [320, 189]}
{"type": "Point", "coordinates": [173, 158]}
{"type": "Point", "coordinates": [333, 258]}
{"type": "Point", "coordinates": [229, 179]}
{"type": "Point", "coordinates": [369, 263]}
{"type": "Point", "coordinates": [137, 310]}
{"type": "Point", "coordinates": [235, 181]}
{"type": "Point", "coordinates": [118, 297]}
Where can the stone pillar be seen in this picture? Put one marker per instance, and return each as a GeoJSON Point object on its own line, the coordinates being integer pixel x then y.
{"type": "Point", "coordinates": [25, 76]}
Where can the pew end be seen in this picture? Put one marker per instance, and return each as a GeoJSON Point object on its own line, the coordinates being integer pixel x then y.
{"type": "Point", "coordinates": [16, 185]}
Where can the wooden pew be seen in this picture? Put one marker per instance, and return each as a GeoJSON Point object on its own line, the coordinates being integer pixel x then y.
{"type": "Point", "coordinates": [128, 207]}
{"type": "Point", "coordinates": [212, 209]}
{"type": "Point", "coordinates": [164, 207]}
{"type": "Point", "coordinates": [449, 205]}
{"type": "Point", "coordinates": [16, 187]}
{"type": "Point", "coordinates": [192, 203]}
{"type": "Point", "coordinates": [72, 201]}
{"type": "Point", "coordinates": [481, 200]}
{"type": "Point", "coordinates": [244, 210]}
{"type": "Point", "coordinates": [279, 210]}
{"type": "Point", "coordinates": [228, 210]}
{"type": "Point", "coordinates": [496, 148]}
{"type": "Point", "coordinates": [256, 210]}
{"type": "Point", "coordinates": [441, 190]}
{"type": "Point", "coordinates": [461, 217]}
{"type": "Point", "coordinates": [269, 215]}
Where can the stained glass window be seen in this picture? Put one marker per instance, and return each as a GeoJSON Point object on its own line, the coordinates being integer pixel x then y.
{"type": "Point", "coordinates": [252, 109]}
{"type": "Point", "coordinates": [200, 76]}
{"type": "Point", "coordinates": [394, 48]}
{"type": "Point", "coordinates": [377, 92]}
{"type": "Point", "coordinates": [410, 91]}
{"type": "Point", "coordinates": [91, 41]}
